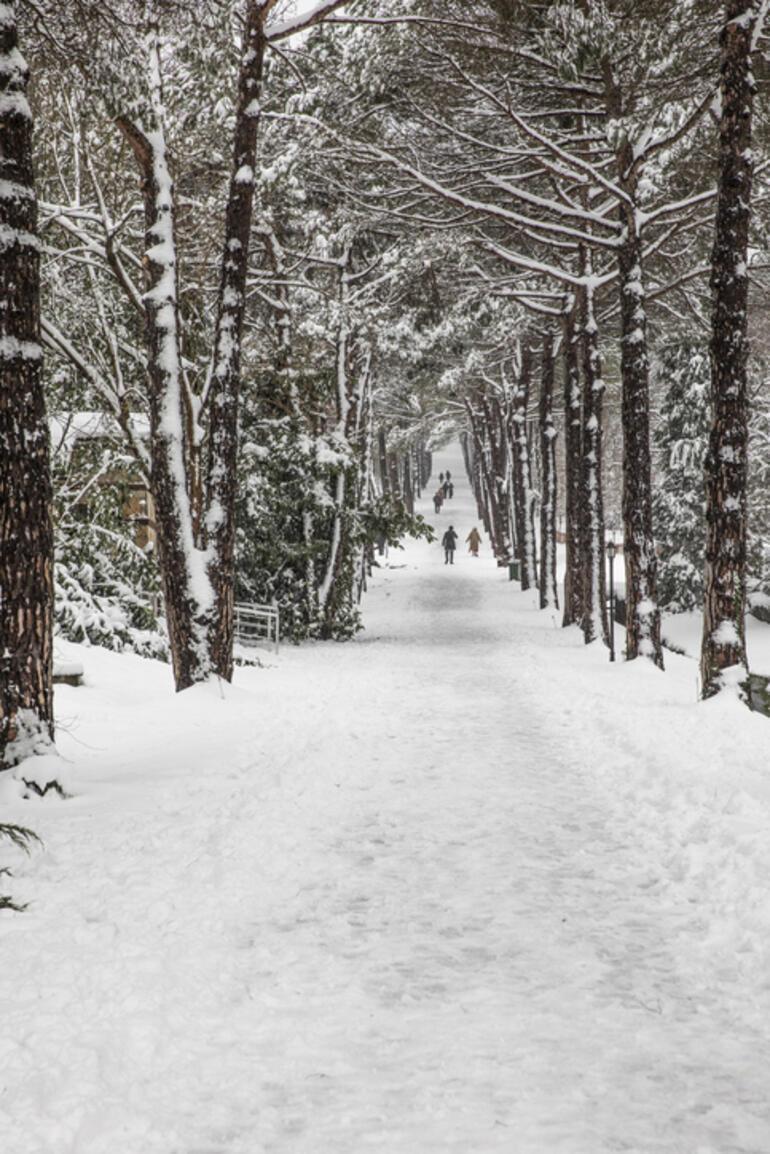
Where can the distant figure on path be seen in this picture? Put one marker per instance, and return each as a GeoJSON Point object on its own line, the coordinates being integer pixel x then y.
{"type": "Point", "coordinates": [474, 540]}
{"type": "Point", "coordinates": [441, 478]}
{"type": "Point", "coordinates": [449, 541]}
{"type": "Point", "coordinates": [448, 475]}
{"type": "Point", "coordinates": [445, 489]}
{"type": "Point", "coordinates": [438, 499]}
{"type": "Point", "coordinates": [451, 492]}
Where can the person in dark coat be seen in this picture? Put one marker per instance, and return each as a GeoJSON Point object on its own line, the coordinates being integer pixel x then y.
{"type": "Point", "coordinates": [441, 478]}
{"type": "Point", "coordinates": [448, 475]}
{"type": "Point", "coordinates": [449, 541]}
{"type": "Point", "coordinates": [438, 499]}
{"type": "Point", "coordinates": [445, 489]}
{"type": "Point", "coordinates": [451, 492]}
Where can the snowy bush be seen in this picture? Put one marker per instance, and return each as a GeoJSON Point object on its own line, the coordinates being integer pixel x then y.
{"type": "Point", "coordinates": [95, 605]}
{"type": "Point", "coordinates": [105, 585]}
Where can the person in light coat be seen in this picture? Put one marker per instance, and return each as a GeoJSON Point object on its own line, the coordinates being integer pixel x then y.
{"type": "Point", "coordinates": [474, 540]}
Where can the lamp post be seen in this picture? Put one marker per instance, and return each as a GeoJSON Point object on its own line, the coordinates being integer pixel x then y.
{"type": "Point", "coordinates": [611, 551]}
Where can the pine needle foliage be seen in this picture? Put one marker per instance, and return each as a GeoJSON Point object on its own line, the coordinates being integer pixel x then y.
{"type": "Point", "coordinates": [23, 839]}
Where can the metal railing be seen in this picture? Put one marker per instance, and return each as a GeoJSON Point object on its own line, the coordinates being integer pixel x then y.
{"type": "Point", "coordinates": [257, 625]}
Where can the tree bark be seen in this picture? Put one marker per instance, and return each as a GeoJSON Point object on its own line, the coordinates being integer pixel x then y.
{"type": "Point", "coordinates": [471, 458]}
{"type": "Point", "coordinates": [573, 455]}
{"type": "Point", "coordinates": [642, 612]}
{"type": "Point", "coordinates": [523, 496]}
{"type": "Point", "coordinates": [186, 589]}
{"type": "Point", "coordinates": [549, 597]}
{"type": "Point", "coordinates": [26, 534]}
{"type": "Point", "coordinates": [224, 396]}
{"type": "Point", "coordinates": [382, 458]}
{"type": "Point", "coordinates": [594, 608]}
{"type": "Point", "coordinates": [394, 479]}
{"type": "Point", "coordinates": [498, 476]}
{"type": "Point", "coordinates": [724, 642]}
{"type": "Point", "coordinates": [408, 482]}
{"type": "Point", "coordinates": [490, 508]}
{"type": "Point", "coordinates": [348, 397]}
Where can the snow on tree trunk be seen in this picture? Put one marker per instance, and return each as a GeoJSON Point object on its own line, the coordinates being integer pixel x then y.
{"type": "Point", "coordinates": [408, 483]}
{"type": "Point", "coordinates": [224, 395]}
{"type": "Point", "coordinates": [473, 469]}
{"type": "Point", "coordinates": [394, 477]}
{"type": "Point", "coordinates": [471, 472]}
{"type": "Point", "coordinates": [549, 597]}
{"type": "Point", "coordinates": [187, 590]}
{"type": "Point", "coordinates": [365, 476]}
{"type": "Point", "coordinates": [382, 454]}
{"type": "Point", "coordinates": [494, 517]}
{"type": "Point", "coordinates": [642, 611]}
{"type": "Point", "coordinates": [343, 417]}
{"type": "Point", "coordinates": [524, 497]}
{"type": "Point", "coordinates": [573, 452]}
{"type": "Point", "coordinates": [26, 535]}
{"type": "Point", "coordinates": [594, 615]}
{"type": "Point", "coordinates": [494, 421]}
{"type": "Point", "coordinates": [724, 645]}
{"type": "Point", "coordinates": [353, 370]}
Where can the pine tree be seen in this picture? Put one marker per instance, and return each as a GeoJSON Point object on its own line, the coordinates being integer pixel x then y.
{"type": "Point", "coordinates": [23, 839]}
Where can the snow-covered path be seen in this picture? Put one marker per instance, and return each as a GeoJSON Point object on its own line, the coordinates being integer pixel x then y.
{"type": "Point", "coordinates": [456, 887]}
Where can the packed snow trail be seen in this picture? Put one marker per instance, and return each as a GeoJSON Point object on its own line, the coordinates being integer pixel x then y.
{"type": "Point", "coordinates": [457, 887]}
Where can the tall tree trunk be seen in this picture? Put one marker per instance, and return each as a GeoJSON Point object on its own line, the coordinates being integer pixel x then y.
{"type": "Point", "coordinates": [408, 482]}
{"type": "Point", "coordinates": [594, 617]}
{"type": "Point", "coordinates": [493, 515]}
{"type": "Point", "coordinates": [394, 479]}
{"type": "Point", "coordinates": [499, 473]}
{"type": "Point", "coordinates": [724, 642]}
{"type": "Point", "coordinates": [426, 464]}
{"type": "Point", "coordinates": [26, 535]}
{"type": "Point", "coordinates": [382, 453]}
{"type": "Point", "coordinates": [523, 495]}
{"type": "Point", "coordinates": [187, 590]}
{"type": "Point", "coordinates": [573, 455]}
{"type": "Point", "coordinates": [347, 397]}
{"type": "Point", "coordinates": [549, 597]}
{"type": "Point", "coordinates": [482, 499]}
{"type": "Point", "coordinates": [365, 478]}
{"type": "Point", "coordinates": [471, 458]}
{"type": "Point", "coordinates": [642, 612]}
{"type": "Point", "coordinates": [225, 387]}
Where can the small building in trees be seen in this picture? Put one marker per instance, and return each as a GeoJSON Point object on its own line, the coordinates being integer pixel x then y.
{"type": "Point", "coordinates": [86, 452]}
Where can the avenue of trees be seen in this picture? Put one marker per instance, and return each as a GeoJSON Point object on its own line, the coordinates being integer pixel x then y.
{"type": "Point", "coordinates": [276, 255]}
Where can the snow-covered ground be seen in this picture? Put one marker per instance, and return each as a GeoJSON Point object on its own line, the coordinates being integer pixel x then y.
{"type": "Point", "coordinates": [458, 886]}
{"type": "Point", "coordinates": [683, 631]}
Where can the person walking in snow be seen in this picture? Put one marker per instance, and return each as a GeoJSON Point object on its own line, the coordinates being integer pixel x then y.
{"type": "Point", "coordinates": [441, 478]}
{"type": "Point", "coordinates": [474, 540]}
{"type": "Point", "coordinates": [451, 491]}
{"type": "Point", "coordinates": [448, 475]}
{"type": "Point", "coordinates": [449, 541]}
{"type": "Point", "coordinates": [445, 489]}
{"type": "Point", "coordinates": [438, 499]}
